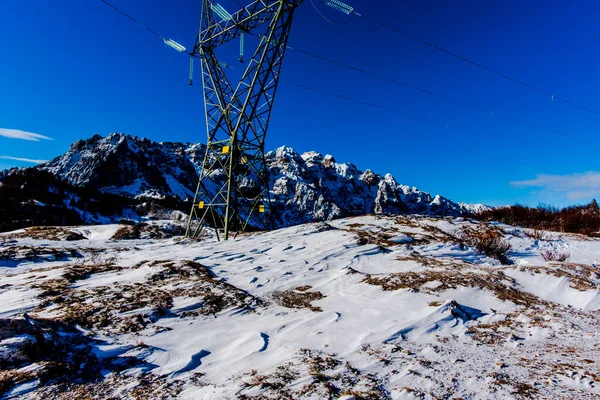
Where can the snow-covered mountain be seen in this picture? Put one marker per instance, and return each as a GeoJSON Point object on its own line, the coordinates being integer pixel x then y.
{"type": "Point", "coordinates": [305, 188]}
{"type": "Point", "coordinates": [130, 166]}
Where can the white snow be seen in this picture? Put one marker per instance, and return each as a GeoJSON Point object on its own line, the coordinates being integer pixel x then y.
{"type": "Point", "coordinates": [425, 336]}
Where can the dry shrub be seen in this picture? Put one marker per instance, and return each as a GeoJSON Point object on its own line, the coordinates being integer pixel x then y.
{"type": "Point", "coordinates": [583, 219]}
{"type": "Point", "coordinates": [127, 232]}
{"type": "Point", "coordinates": [487, 241]}
{"type": "Point", "coordinates": [555, 255]}
{"type": "Point", "coordinates": [95, 263]}
{"type": "Point", "coordinates": [537, 234]}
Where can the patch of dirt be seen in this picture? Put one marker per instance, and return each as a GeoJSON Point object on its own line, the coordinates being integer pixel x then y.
{"type": "Point", "coordinates": [127, 232]}
{"type": "Point", "coordinates": [191, 279]}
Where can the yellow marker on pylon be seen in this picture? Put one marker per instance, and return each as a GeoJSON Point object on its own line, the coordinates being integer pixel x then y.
{"type": "Point", "coordinates": [261, 208]}
{"type": "Point", "coordinates": [225, 150]}
{"type": "Point", "coordinates": [201, 205]}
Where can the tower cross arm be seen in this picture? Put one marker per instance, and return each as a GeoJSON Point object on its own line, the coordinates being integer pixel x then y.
{"type": "Point", "coordinates": [248, 18]}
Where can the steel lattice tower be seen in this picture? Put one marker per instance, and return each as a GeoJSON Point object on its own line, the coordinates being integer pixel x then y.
{"type": "Point", "coordinates": [233, 190]}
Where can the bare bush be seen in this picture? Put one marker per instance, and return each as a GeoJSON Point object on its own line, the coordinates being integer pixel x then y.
{"type": "Point", "coordinates": [537, 234]}
{"type": "Point", "coordinates": [555, 255]}
{"type": "Point", "coordinates": [583, 219]}
{"type": "Point", "coordinates": [487, 241]}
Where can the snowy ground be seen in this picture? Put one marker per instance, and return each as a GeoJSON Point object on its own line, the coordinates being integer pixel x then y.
{"type": "Point", "coordinates": [360, 308]}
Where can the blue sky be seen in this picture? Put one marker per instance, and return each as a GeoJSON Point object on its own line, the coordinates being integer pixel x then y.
{"type": "Point", "coordinates": [70, 69]}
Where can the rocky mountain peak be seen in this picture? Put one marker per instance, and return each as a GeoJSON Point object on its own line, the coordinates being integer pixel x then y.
{"type": "Point", "coordinates": [304, 188]}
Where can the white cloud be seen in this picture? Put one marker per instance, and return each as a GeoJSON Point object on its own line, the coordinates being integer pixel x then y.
{"type": "Point", "coordinates": [17, 134]}
{"type": "Point", "coordinates": [27, 160]}
{"type": "Point", "coordinates": [573, 186]}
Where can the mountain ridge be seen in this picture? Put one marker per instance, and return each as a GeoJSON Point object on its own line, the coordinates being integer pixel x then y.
{"type": "Point", "coordinates": [306, 187]}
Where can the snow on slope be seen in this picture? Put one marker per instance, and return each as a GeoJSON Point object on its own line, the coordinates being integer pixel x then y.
{"type": "Point", "coordinates": [370, 307]}
{"type": "Point", "coordinates": [305, 188]}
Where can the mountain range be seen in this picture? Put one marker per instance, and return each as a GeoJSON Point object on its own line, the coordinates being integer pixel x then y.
{"type": "Point", "coordinates": [131, 173]}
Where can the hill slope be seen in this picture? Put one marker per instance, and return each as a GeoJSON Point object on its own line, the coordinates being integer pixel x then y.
{"type": "Point", "coordinates": [370, 307]}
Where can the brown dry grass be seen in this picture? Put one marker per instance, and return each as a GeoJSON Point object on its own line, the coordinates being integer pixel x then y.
{"type": "Point", "coordinates": [436, 262]}
{"type": "Point", "coordinates": [143, 230]}
{"type": "Point", "coordinates": [61, 353]}
{"type": "Point", "coordinates": [103, 307]}
{"type": "Point", "coordinates": [518, 389]}
{"type": "Point", "coordinates": [494, 333]}
{"type": "Point", "coordinates": [331, 379]}
{"type": "Point", "coordinates": [53, 233]}
{"type": "Point", "coordinates": [37, 253]}
{"type": "Point", "coordinates": [493, 280]}
{"type": "Point", "coordinates": [580, 276]}
{"type": "Point", "coordinates": [297, 299]}
{"type": "Point", "coordinates": [439, 234]}
{"type": "Point", "coordinates": [118, 386]}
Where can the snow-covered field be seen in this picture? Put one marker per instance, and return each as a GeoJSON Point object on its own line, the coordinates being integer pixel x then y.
{"type": "Point", "coordinates": [361, 308]}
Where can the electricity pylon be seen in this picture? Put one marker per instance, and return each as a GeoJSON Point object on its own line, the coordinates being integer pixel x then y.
{"type": "Point", "coordinates": [233, 190]}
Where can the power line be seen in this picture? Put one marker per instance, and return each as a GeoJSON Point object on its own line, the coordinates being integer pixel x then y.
{"type": "Point", "coordinates": [339, 96]}
{"type": "Point", "coordinates": [327, 19]}
{"type": "Point", "coordinates": [165, 40]}
{"type": "Point", "coordinates": [414, 116]}
{"type": "Point", "coordinates": [425, 91]}
{"type": "Point", "coordinates": [377, 106]}
{"type": "Point", "coordinates": [133, 19]}
{"type": "Point", "coordinates": [376, 75]}
{"type": "Point", "coordinates": [395, 111]}
{"type": "Point", "coordinates": [479, 65]}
